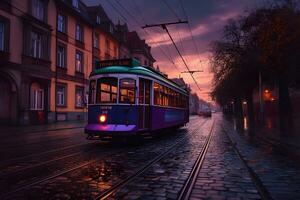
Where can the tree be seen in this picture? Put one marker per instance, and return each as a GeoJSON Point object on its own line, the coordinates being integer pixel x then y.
{"type": "Point", "coordinates": [266, 41]}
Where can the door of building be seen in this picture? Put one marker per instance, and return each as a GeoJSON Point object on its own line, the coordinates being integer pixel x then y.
{"type": "Point", "coordinates": [144, 103]}
{"type": "Point", "coordinates": [5, 101]}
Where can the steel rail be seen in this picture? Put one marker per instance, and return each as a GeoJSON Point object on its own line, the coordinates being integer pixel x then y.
{"type": "Point", "coordinates": [28, 185]}
{"type": "Point", "coordinates": [143, 169]}
{"type": "Point", "coordinates": [9, 161]}
{"type": "Point", "coordinates": [189, 184]}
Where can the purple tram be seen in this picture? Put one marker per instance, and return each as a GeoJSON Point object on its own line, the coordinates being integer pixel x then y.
{"type": "Point", "coordinates": [128, 99]}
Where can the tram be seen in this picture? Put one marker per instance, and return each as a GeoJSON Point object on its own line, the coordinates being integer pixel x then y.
{"type": "Point", "coordinates": [126, 98]}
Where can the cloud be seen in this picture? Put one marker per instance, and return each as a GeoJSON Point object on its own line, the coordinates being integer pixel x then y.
{"type": "Point", "coordinates": [206, 18]}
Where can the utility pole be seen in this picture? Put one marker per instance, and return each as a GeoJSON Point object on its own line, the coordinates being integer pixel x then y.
{"type": "Point", "coordinates": [164, 26]}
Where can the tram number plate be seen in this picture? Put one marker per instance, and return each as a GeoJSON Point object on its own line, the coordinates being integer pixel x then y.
{"type": "Point", "coordinates": [103, 108]}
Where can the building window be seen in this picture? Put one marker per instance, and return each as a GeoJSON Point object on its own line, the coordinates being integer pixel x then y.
{"type": "Point", "coordinates": [79, 61]}
{"type": "Point", "coordinates": [79, 97]}
{"type": "Point", "coordinates": [79, 33]}
{"type": "Point", "coordinates": [36, 97]}
{"type": "Point", "coordinates": [61, 23]}
{"type": "Point", "coordinates": [96, 40]}
{"type": "Point", "coordinates": [111, 28]}
{"type": "Point", "coordinates": [127, 91]}
{"type": "Point", "coordinates": [38, 9]}
{"type": "Point", "coordinates": [75, 3]}
{"type": "Point", "coordinates": [61, 95]}
{"type": "Point", "coordinates": [2, 36]}
{"type": "Point", "coordinates": [61, 56]}
{"type": "Point", "coordinates": [36, 45]}
{"type": "Point", "coordinates": [98, 20]}
{"type": "Point", "coordinates": [107, 90]}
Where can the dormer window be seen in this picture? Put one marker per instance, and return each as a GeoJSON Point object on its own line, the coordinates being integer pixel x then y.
{"type": "Point", "coordinates": [75, 4]}
{"type": "Point", "coordinates": [98, 20]}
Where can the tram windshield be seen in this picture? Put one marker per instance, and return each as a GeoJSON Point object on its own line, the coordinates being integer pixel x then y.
{"type": "Point", "coordinates": [107, 90]}
{"type": "Point", "coordinates": [127, 91]}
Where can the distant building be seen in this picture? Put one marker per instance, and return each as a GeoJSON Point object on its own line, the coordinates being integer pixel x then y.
{"type": "Point", "coordinates": [105, 43]}
{"type": "Point", "coordinates": [122, 35]}
{"type": "Point", "coordinates": [139, 49]}
{"type": "Point", "coordinates": [181, 83]}
{"type": "Point", "coordinates": [194, 103]}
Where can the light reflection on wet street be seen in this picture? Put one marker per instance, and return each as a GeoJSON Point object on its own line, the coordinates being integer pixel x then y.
{"type": "Point", "coordinates": [64, 165]}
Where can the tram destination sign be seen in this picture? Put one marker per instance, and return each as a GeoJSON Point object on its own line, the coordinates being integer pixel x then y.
{"type": "Point", "coordinates": [118, 62]}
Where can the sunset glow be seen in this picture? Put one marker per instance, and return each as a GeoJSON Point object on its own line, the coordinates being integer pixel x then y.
{"type": "Point", "coordinates": [206, 19]}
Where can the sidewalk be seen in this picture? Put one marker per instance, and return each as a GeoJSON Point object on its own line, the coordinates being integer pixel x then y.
{"type": "Point", "coordinates": [287, 143]}
{"type": "Point", "coordinates": [44, 127]}
{"type": "Point", "coordinates": [290, 143]}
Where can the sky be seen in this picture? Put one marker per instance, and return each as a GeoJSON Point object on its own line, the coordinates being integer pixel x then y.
{"type": "Point", "coordinates": [206, 21]}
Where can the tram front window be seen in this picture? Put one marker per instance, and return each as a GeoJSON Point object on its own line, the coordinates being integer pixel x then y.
{"type": "Point", "coordinates": [107, 90]}
{"type": "Point", "coordinates": [127, 91]}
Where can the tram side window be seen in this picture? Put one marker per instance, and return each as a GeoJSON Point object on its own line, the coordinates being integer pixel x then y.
{"type": "Point", "coordinates": [157, 95]}
{"type": "Point", "coordinates": [127, 91]}
{"type": "Point", "coordinates": [92, 92]}
{"type": "Point", "coordinates": [164, 96]}
{"type": "Point", "coordinates": [107, 90]}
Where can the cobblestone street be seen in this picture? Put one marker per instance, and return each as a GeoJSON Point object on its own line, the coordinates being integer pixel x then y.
{"type": "Point", "coordinates": [207, 159]}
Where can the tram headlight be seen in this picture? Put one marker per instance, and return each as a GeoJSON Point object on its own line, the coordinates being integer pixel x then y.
{"type": "Point", "coordinates": [102, 118]}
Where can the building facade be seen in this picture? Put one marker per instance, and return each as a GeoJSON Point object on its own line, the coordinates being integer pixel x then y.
{"type": "Point", "coordinates": [47, 51]}
{"type": "Point", "coordinates": [25, 60]}
{"type": "Point", "coordinates": [105, 43]}
{"type": "Point", "coordinates": [139, 49]}
{"type": "Point", "coordinates": [72, 60]}
{"type": "Point", "coordinates": [122, 35]}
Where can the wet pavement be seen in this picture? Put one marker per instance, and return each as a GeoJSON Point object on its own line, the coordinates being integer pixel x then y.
{"type": "Point", "coordinates": [62, 164]}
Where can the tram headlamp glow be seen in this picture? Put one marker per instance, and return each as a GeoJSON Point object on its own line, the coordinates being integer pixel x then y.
{"type": "Point", "coordinates": [102, 118]}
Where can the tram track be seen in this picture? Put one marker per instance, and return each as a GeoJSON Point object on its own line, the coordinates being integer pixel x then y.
{"type": "Point", "coordinates": [106, 194]}
{"type": "Point", "coordinates": [189, 184]}
{"type": "Point", "coordinates": [55, 175]}
{"type": "Point", "coordinates": [262, 190]}
{"type": "Point", "coordinates": [29, 185]}
{"type": "Point", "coordinates": [44, 153]}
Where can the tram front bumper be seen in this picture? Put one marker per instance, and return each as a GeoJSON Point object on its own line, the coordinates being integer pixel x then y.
{"type": "Point", "coordinates": [110, 129]}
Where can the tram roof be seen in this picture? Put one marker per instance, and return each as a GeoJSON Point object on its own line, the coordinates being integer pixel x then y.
{"type": "Point", "coordinates": [138, 70]}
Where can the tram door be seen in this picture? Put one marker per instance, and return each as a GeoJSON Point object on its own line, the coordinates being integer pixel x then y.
{"type": "Point", "coordinates": [144, 103]}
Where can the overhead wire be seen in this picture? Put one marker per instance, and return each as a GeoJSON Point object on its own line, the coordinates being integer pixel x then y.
{"type": "Point", "coordinates": [146, 32]}
{"type": "Point", "coordinates": [182, 58]}
{"type": "Point", "coordinates": [191, 32]}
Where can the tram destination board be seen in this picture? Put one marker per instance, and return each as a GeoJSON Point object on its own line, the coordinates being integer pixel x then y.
{"type": "Point", "coordinates": [118, 62]}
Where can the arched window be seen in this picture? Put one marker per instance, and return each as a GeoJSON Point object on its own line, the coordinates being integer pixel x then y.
{"type": "Point", "coordinates": [36, 97]}
{"type": "Point", "coordinates": [127, 91]}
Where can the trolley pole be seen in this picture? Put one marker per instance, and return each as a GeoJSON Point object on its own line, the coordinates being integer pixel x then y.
{"type": "Point", "coordinates": [192, 71]}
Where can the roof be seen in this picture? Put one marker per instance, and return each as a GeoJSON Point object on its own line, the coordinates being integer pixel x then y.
{"type": "Point", "coordinates": [80, 12]}
{"type": "Point", "coordinates": [138, 70]}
